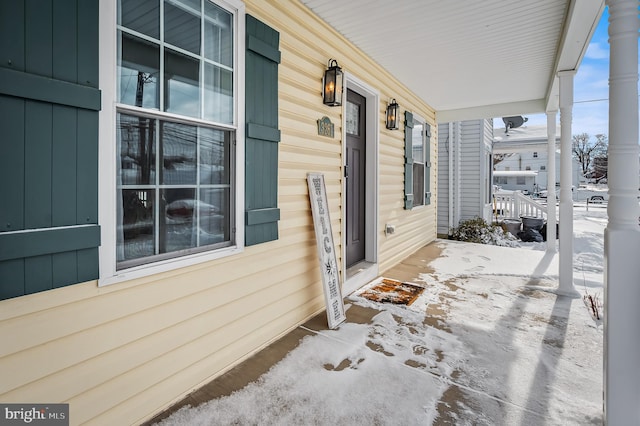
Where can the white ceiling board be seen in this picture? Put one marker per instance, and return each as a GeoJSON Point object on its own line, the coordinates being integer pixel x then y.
{"type": "Point", "coordinates": [462, 56]}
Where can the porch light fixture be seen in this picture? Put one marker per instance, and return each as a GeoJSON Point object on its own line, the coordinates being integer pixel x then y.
{"type": "Point", "coordinates": [392, 115]}
{"type": "Point", "coordinates": [332, 84]}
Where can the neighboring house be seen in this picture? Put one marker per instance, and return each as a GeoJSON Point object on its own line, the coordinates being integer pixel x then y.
{"type": "Point", "coordinates": [464, 172]}
{"type": "Point", "coordinates": [527, 150]}
{"type": "Point", "coordinates": [156, 221]}
{"type": "Point", "coordinates": [600, 166]}
{"type": "Point", "coordinates": [516, 180]}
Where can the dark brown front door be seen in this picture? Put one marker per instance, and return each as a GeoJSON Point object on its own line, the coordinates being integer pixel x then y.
{"type": "Point", "coordinates": [355, 171]}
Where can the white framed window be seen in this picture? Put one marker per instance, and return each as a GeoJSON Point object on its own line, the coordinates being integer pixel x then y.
{"type": "Point", "coordinates": [535, 154]}
{"type": "Point", "coordinates": [177, 110]}
{"type": "Point", "coordinates": [418, 149]}
{"type": "Point", "coordinates": [500, 180]}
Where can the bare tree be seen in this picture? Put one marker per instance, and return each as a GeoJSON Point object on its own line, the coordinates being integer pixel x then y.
{"type": "Point", "coordinates": [497, 158]}
{"type": "Point", "coordinates": [586, 150]}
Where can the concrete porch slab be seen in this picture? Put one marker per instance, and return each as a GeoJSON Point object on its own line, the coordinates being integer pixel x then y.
{"type": "Point", "coordinates": [488, 343]}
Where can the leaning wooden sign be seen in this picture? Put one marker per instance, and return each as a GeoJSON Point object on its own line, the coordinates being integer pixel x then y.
{"type": "Point", "coordinates": [326, 249]}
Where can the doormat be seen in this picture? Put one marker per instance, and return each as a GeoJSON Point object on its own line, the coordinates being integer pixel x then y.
{"type": "Point", "coordinates": [393, 291]}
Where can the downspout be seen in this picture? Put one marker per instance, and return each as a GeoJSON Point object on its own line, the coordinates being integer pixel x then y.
{"type": "Point", "coordinates": [451, 184]}
{"type": "Point", "coordinates": [458, 172]}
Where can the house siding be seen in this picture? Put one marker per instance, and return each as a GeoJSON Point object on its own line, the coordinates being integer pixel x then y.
{"type": "Point", "coordinates": [486, 168]}
{"type": "Point", "coordinates": [471, 135]}
{"type": "Point", "coordinates": [445, 142]}
{"type": "Point", "coordinates": [121, 353]}
{"type": "Point", "coordinates": [464, 172]}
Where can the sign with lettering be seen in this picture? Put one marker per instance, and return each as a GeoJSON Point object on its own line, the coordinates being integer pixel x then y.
{"type": "Point", "coordinates": [326, 250]}
{"type": "Point", "coordinates": [325, 127]}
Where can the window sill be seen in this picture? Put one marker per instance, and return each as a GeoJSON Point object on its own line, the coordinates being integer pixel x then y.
{"type": "Point", "coordinates": [166, 266]}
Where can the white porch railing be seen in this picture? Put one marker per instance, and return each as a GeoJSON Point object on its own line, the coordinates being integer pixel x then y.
{"type": "Point", "coordinates": [514, 205]}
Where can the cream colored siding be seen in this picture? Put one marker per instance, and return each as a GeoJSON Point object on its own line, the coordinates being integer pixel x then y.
{"type": "Point", "coordinates": [122, 353]}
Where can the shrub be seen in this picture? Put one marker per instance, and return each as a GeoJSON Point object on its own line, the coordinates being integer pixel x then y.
{"type": "Point", "coordinates": [477, 230]}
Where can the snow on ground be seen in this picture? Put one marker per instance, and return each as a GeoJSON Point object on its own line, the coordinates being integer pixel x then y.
{"type": "Point", "coordinates": [487, 343]}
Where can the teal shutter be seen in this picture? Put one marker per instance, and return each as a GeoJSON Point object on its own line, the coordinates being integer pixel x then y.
{"type": "Point", "coordinates": [49, 103]}
{"type": "Point", "coordinates": [427, 168]}
{"type": "Point", "coordinates": [262, 134]}
{"type": "Point", "coordinates": [408, 160]}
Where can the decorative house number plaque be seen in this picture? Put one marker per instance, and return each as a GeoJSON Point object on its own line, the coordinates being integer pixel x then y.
{"type": "Point", "coordinates": [326, 250]}
{"type": "Point", "coordinates": [325, 127]}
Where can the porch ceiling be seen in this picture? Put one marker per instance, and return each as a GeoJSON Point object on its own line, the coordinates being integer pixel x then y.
{"type": "Point", "coordinates": [468, 59]}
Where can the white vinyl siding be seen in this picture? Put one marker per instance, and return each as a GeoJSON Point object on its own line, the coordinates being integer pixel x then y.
{"type": "Point", "coordinates": [465, 167]}
{"type": "Point", "coordinates": [445, 178]}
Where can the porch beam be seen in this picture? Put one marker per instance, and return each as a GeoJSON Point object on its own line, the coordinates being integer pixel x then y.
{"type": "Point", "coordinates": [566, 197]}
{"type": "Point", "coordinates": [551, 181]}
{"type": "Point", "coordinates": [622, 234]}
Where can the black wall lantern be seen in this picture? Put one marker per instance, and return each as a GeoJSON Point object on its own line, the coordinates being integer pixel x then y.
{"type": "Point", "coordinates": [332, 84]}
{"type": "Point", "coordinates": [392, 115]}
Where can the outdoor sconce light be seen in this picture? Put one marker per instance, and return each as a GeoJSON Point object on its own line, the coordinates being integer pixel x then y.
{"type": "Point", "coordinates": [332, 84]}
{"type": "Point", "coordinates": [392, 115]}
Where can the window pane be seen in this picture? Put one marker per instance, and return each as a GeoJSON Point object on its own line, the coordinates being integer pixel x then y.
{"type": "Point", "coordinates": [179, 154]}
{"type": "Point", "coordinates": [138, 69]}
{"type": "Point", "coordinates": [181, 84]}
{"type": "Point", "coordinates": [182, 24]}
{"type": "Point", "coordinates": [174, 180]}
{"type": "Point", "coordinates": [135, 232]}
{"type": "Point", "coordinates": [215, 158]}
{"type": "Point", "coordinates": [218, 94]}
{"type": "Point", "coordinates": [140, 15]}
{"type": "Point", "coordinates": [215, 216]}
{"type": "Point", "coordinates": [136, 149]}
{"type": "Point", "coordinates": [417, 142]}
{"type": "Point", "coordinates": [418, 184]}
{"type": "Point", "coordinates": [352, 119]}
{"type": "Point", "coordinates": [177, 225]}
{"type": "Point", "coordinates": [218, 33]}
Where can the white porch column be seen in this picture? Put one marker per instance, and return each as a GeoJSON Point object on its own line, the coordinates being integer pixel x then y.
{"type": "Point", "coordinates": [622, 235]}
{"type": "Point", "coordinates": [551, 181]}
{"type": "Point", "coordinates": [566, 200]}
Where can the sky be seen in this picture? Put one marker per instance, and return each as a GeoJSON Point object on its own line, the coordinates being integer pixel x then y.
{"type": "Point", "coordinates": [591, 88]}
{"type": "Point", "coordinates": [488, 342]}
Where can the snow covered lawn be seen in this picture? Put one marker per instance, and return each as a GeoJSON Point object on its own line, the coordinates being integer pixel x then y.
{"type": "Point", "coordinates": [487, 343]}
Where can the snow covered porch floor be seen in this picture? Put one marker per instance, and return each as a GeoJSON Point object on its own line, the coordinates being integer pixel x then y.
{"type": "Point", "coordinates": [487, 343]}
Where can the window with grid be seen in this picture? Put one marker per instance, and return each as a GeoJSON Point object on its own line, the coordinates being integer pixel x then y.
{"type": "Point", "coordinates": [418, 152]}
{"type": "Point", "coordinates": [175, 129]}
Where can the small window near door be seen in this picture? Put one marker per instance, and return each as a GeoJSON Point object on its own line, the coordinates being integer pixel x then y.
{"type": "Point", "coordinates": [352, 119]}
{"type": "Point", "coordinates": [417, 165]}
{"type": "Point", "coordinates": [418, 150]}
